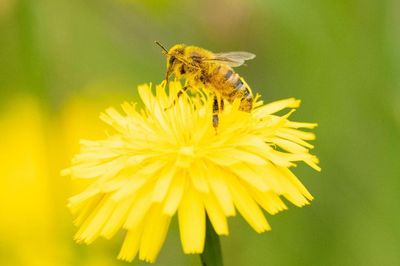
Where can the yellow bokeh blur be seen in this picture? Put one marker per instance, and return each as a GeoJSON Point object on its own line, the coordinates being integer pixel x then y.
{"type": "Point", "coordinates": [25, 190]}
{"type": "Point", "coordinates": [36, 227]}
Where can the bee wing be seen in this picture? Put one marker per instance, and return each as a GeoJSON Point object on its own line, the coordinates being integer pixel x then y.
{"type": "Point", "coordinates": [232, 59]}
{"type": "Point", "coordinates": [236, 55]}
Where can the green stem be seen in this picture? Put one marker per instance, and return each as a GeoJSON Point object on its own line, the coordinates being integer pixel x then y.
{"type": "Point", "coordinates": [211, 255]}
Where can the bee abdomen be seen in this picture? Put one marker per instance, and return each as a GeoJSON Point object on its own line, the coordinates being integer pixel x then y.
{"type": "Point", "coordinates": [246, 103]}
{"type": "Point", "coordinates": [233, 87]}
{"type": "Point", "coordinates": [240, 90]}
{"type": "Point", "coordinates": [228, 74]}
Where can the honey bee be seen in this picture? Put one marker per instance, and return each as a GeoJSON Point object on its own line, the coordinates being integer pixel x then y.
{"type": "Point", "coordinates": [201, 67]}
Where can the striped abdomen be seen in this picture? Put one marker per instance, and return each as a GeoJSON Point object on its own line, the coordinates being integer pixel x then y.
{"type": "Point", "coordinates": [230, 86]}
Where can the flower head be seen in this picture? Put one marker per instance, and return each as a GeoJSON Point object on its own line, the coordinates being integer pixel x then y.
{"type": "Point", "coordinates": [160, 161]}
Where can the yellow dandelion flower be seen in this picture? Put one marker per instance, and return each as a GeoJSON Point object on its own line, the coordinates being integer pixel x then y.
{"type": "Point", "coordinates": [161, 161]}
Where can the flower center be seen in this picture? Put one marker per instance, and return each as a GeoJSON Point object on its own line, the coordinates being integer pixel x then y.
{"type": "Point", "coordinates": [185, 156]}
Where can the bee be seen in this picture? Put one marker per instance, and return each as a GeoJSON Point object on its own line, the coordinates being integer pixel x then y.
{"type": "Point", "coordinates": [201, 67]}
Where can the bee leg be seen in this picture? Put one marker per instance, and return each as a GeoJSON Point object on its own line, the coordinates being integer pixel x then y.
{"type": "Point", "coordinates": [179, 94]}
{"type": "Point", "coordinates": [215, 114]}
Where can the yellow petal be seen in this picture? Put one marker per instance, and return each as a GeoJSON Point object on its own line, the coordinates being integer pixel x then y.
{"type": "Point", "coordinates": [87, 209]}
{"type": "Point", "coordinates": [298, 133]}
{"type": "Point", "coordinates": [300, 124]}
{"type": "Point", "coordinates": [117, 218]}
{"type": "Point", "coordinates": [228, 157]}
{"type": "Point", "coordinates": [216, 215]}
{"type": "Point", "coordinates": [220, 188]}
{"type": "Point", "coordinates": [146, 174]}
{"type": "Point", "coordinates": [268, 200]}
{"type": "Point", "coordinates": [293, 138]}
{"type": "Point", "coordinates": [287, 188]}
{"type": "Point", "coordinates": [131, 186]}
{"type": "Point", "coordinates": [289, 146]}
{"type": "Point", "coordinates": [174, 196]}
{"type": "Point", "coordinates": [154, 233]}
{"type": "Point", "coordinates": [139, 208]}
{"type": "Point", "coordinates": [114, 118]}
{"type": "Point", "coordinates": [130, 246]}
{"type": "Point", "coordinates": [192, 220]}
{"type": "Point", "coordinates": [249, 175]}
{"type": "Point", "coordinates": [129, 109]}
{"type": "Point", "coordinates": [247, 207]}
{"type": "Point", "coordinates": [163, 183]}
{"type": "Point", "coordinates": [277, 106]}
{"type": "Point", "coordinates": [90, 229]}
{"type": "Point", "coordinates": [146, 96]}
{"type": "Point", "coordinates": [268, 173]}
{"type": "Point", "coordinates": [77, 202]}
{"type": "Point", "coordinates": [292, 178]}
{"type": "Point", "coordinates": [199, 177]}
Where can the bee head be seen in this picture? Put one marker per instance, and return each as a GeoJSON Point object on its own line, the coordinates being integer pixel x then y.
{"type": "Point", "coordinates": [175, 59]}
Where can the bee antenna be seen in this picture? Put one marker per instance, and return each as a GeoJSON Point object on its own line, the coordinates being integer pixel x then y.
{"type": "Point", "coordinates": [165, 51]}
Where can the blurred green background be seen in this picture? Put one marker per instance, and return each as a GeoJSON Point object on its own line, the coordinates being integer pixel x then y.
{"type": "Point", "coordinates": [62, 62]}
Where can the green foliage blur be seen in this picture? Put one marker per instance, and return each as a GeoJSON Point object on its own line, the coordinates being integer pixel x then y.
{"type": "Point", "coordinates": [71, 59]}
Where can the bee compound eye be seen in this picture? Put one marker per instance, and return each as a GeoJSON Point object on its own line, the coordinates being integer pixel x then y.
{"type": "Point", "coordinates": [195, 57]}
{"type": "Point", "coordinates": [172, 60]}
{"type": "Point", "coordinates": [182, 70]}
